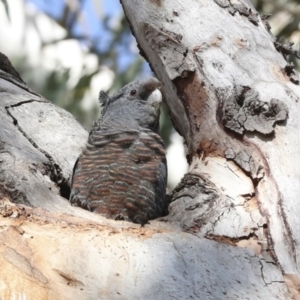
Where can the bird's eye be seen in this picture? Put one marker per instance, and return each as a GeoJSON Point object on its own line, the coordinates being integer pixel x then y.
{"type": "Point", "coordinates": [133, 92]}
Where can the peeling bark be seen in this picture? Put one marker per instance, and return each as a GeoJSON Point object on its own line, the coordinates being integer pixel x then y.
{"type": "Point", "coordinates": [54, 256]}
{"type": "Point", "coordinates": [244, 111]}
{"type": "Point", "coordinates": [235, 100]}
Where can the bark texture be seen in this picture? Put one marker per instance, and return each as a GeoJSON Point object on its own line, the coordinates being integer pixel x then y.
{"type": "Point", "coordinates": [55, 256]}
{"type": "Point", "coordinates": [233, 228]}
{"type": "Point", "coordinates": [234, 98]}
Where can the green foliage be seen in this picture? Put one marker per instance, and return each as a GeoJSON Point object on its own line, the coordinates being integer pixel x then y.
{"type": "Point", "coordinates": [54, 85]}
{"type": "Point", "coordinates": [166, 126]}
{"type": "Point", "coordinates": [128, 75]}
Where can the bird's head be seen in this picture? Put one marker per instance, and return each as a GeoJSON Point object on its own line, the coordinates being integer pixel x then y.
{"type": "Point", "coordinates": [136, 103]}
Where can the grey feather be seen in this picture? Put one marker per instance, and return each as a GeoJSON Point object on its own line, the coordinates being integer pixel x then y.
{"type": "Point", "coordinates": [122, 172]}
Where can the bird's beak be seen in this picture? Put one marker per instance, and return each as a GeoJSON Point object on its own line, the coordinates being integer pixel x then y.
{"type": "Point", "coordinates": [155, 99]}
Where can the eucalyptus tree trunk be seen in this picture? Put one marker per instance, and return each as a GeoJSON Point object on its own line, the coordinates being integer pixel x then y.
{"type": "Point", "coordinates": [233, 229]}
{"type": "Point", "coordinates": [235, 100]}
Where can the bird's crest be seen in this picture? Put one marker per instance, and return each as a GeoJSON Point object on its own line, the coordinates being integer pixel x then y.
{"type": "Point", "coordinates": [103, 98]}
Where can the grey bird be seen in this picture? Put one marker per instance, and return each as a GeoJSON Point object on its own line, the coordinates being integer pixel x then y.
{"type": "Point", "coordinates": [122, 172]}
